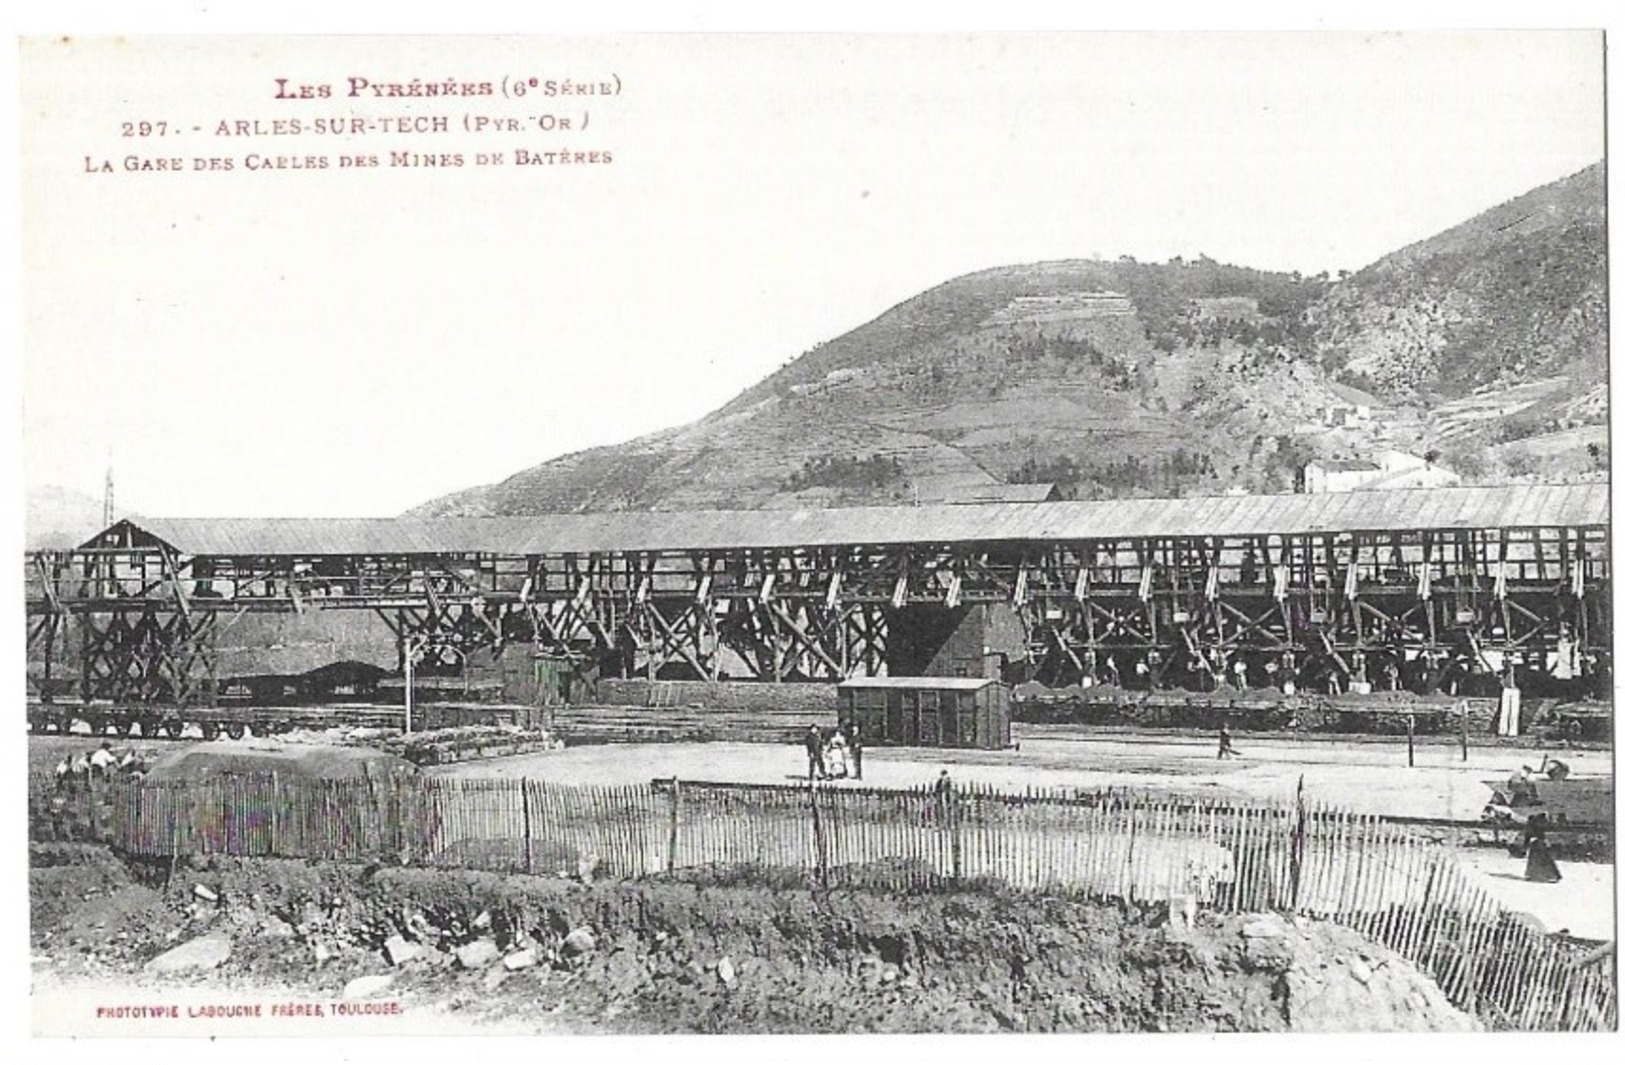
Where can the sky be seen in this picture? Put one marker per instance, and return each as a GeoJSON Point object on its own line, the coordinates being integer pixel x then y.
{"type": "Point", "coordinates": [355, 341]}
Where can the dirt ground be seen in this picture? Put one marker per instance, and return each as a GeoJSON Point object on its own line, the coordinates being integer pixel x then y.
{"type": "Point", "coordinates": [674, 956]}
{"type": "Point", "coordinates": [1363, 776]}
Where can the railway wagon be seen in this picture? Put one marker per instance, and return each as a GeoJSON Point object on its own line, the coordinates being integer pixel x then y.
{"type": "Point", "coordinates": [928, 711]}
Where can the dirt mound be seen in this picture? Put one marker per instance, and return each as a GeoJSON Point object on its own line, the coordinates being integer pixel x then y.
{"type": "Point", "coordinates": [266, 757]}
{"type": "Point", "coordinates": [86, 908]}
{"type": "Point", "coordinates": [669, 956]}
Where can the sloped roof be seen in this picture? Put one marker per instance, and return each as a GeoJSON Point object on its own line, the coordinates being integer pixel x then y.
{"type": "Point", "coordinates": [1004, 493]}
{"type": "Point", "coordinates": [1509, 506]}
{"type": "Point", "coordinates": [1355, 396]}
{"type": "Point", "coordinates": [966, 684]}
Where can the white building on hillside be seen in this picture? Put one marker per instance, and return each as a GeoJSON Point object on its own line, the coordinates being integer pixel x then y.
{"type": "Point", "coordinates": [1392, 469]}
{"type": "Point", "coordinates": [1350, 406]}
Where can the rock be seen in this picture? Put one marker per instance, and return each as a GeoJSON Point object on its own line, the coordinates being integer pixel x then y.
{"type": "Point", "coordinates": [367, 986]}
{"type": "Point", "coordinates": [399, 951]}
{"type": "Point", "coordinates": [494, 977]}
{"type": "Point", "coordinates": [725, 971]}
{"type": "Point", "coordinates": [204, 893]}
{"type": "Point", "coordinates": [520, 959]}
{"type": "Point", "coordinates": [321, 952]}
{"type": "Point", "coordinates": [204, 952]}
{"type": "Point", "coordinates": [1263, 928]}
{"type": "Point", "coordinates": [478, 954]}
{"type": "Point", "coordinates": [483, 920]}
{"type": "Point", "coordinates": [580, 941]}
{"type": "Point", "coordinates": [1360, 971]}
{"type": "Point", "coordinates": [586, 866]}
{"type": "Point", "coordinates": [275, 928]}
{"type": "Point", "coordinates": [889, 974]}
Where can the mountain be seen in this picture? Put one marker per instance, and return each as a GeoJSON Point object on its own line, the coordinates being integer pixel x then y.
{"type": "Point", "coordinates": [56, 517]}
{"type": "Point", "coordinates": [1498, 327]}
{"type": "Point", "coordinates": [1486, 343]}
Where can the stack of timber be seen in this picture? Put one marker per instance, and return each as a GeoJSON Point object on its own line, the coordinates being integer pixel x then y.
{"type": "Point", "coordinates": [447, 745]}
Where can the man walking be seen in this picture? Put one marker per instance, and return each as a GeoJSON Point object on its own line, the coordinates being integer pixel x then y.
{"type": "Point", "coordinates": [815, 754]}
{"type": "Point", "coordinates": [1225, 749]}
{"type": "Point", "coordinates": [854, 749]}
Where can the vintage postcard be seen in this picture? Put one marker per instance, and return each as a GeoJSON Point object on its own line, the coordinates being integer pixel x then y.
{"type": "Point", "coordinates": [775, 533]}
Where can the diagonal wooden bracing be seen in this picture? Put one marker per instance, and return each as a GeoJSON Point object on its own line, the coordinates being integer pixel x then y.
{"type": "Point", "coordinates": [1324, 608]}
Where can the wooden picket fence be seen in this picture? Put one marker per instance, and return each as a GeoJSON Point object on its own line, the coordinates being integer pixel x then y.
{"type": "Point", "coordinates": [1297, 856]}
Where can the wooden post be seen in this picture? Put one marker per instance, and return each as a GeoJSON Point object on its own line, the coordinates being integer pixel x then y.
{"type": "Point", "coordinates": [1298, 844]}
{"type": "Point", "coordinates": [1410, 740]}
{"type": "Point", "coordinates": [955, 842]}
{"type": "Point", "coordinates": [671, 839]}
{"type": "Point", "coordinates": [524, 803]}
{"type": "Point", "coordinates": [820, 854]}
{"type": "Point", "coordinates": [1463, 709]}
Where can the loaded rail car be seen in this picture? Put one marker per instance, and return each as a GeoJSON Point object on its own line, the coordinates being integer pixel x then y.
{"type": "Point", "coordinates": [150, 721]}
{"type": "Point", "coordinates": [1353, 591]}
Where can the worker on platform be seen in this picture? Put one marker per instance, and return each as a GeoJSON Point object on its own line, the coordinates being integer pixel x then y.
{"type": "Point", "coordinates": [815, 754]}
{"type": "Point", "coordinates": [1238, 673]}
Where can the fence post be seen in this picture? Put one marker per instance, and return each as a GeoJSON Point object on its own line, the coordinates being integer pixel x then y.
{"type": "Point", "coordinates": [1298, 831]}
{"type": "Point", "coordinates": [524, 805]}
{"type": "Point", "coordinates": [955, 838]}
{"type": "Point", "coordinates": [671, 837]}
{"type": "Point", "coordinates": [1410, 740]}
{"type": "Point", "coordinates": [90, 807]}
{"type": "Point", "coordinates": [1463, 709]}
{"type": "Point", "coordinates": [819, 851]}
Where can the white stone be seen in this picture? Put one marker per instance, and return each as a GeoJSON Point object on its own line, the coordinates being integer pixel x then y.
{"type": "Point", "coordinates": [580, 941]}
{"type": "Point", "coordinates": [367, 986]}
{"type": "Point", "coordinates": [1263, 928]}
{"type": "Point", "coordinates": [725, 971]}
{"type": "Point", "coordinates": [520, 959]}
{"type": "Point", "coordinates": [478, 954]}
{"type": "Point", "coordinates": [204, 952]}
{"type": "Point", "coordinates": [203, 892]}
{"type": "Point", "coordinates": [399, 951]}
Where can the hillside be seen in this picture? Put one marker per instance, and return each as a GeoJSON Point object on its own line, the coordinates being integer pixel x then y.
{"type": "Point", "coordinates": [1505, 314]}
{"type": "Point", "coordinates": [55, 517]}
{"type": "Point", "coordinates": [1125, 378]}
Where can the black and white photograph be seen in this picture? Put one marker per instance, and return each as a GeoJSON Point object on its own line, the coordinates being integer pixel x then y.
{"type": "Point", "coordinates": [836, 533]}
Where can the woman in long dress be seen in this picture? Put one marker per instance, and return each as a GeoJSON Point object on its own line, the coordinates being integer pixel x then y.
{"type": "Point", "coordinates": [1539, 867]}
{"type": "Point", "coordinates": [835, 755]}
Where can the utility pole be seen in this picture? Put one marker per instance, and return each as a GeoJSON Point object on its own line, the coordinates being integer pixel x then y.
{"type": "Point", "coordinates": [414, 647]}
{"type": "Point", "coordinates": [107, 497]}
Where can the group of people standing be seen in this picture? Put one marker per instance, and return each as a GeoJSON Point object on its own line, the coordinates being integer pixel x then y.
{"type": "Point", "coordinates": [836, 756]}
{"type": "Point", "coordinates": [101, 763]}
